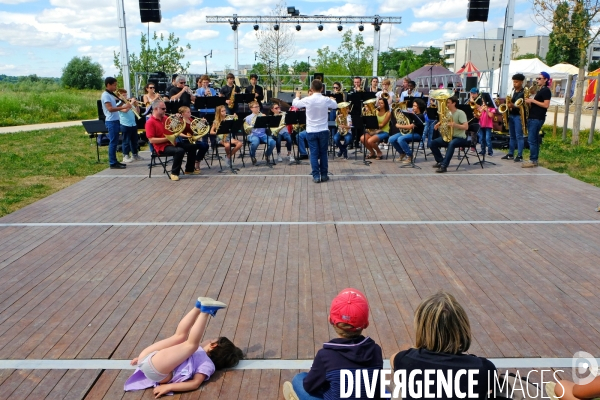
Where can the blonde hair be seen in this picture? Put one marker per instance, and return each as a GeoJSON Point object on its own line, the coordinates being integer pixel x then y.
{"type": "Point", "coordinates": [442, 325]}
{"type": "Point", "coordinates": [218, 117]}
{"type": "Point", "coordinates": [386, 82]}
{"type": "Point", "coordinates": [252, 104]}
{"type": "Point", "coordinates": [344, 330]}
{"type": "Point", "coordinates": [183, 109]}
{"type": "Point", "coordinates": [121, 91]}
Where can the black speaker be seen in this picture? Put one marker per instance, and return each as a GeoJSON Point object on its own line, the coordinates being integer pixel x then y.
{"type": "Point", "coordinates": [478, 10]}
{"type": "Point", "coordinates": [320, 76]}
{"type": "Point", "coordinates": [160, 80]}
{"type": "Point", "coordinates": [150, 11]}
{"type": "Point", "coordinates": [471, 83]}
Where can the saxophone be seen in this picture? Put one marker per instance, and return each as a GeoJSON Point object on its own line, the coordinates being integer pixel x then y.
{"type": "Point", "coordinates": [232, 97]}
{"type": "Point", "coordinates": [524, 110]}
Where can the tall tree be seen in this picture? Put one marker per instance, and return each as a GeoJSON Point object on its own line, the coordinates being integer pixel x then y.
{"type": "Point", "coordinates": [560, 46]}
{"type": "Point", "coordinates": [582, 31]}
{"type": "Point", "coordinates": [352, 58]}
{"type": "Point", "coordinates": [432, 55]}
{"type": "Point", "coordinates": [163, 57]}
{"type": "Point", "coordinates": [276, 45]}
{"type": "Point", "coordinates": [82, 73]}
{"type": "Point", "coordinates": [300, 66]}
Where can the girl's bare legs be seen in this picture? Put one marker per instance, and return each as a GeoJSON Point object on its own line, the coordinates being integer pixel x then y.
{"type": "Point", "coordinates": [167, 359]}
{"type": "Point", "coordinates": [238, 146]}
{"type": "Point", "coordinates": [374, 144]}
{"type": "Point", "coordinates": [181, 334]}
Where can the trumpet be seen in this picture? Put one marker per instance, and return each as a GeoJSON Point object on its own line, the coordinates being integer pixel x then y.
{"type": "Point", "coordinates": [131, 101]}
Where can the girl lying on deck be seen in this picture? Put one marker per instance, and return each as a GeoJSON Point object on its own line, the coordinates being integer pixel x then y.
{"type": "Point", "coordinates": [181, 362]}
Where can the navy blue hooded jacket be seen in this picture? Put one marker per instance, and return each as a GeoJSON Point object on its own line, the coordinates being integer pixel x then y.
{"type": "Point", "coordinates": [337, 354]}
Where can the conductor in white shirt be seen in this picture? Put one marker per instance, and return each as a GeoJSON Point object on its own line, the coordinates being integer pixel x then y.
{"type": "Point", "coordinates": [317, 129]}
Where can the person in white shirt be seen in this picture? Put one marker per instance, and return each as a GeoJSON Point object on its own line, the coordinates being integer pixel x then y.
{"type": "Point", "coordinates": [385, 88]}
{"type": "Point", "coordinates": [411, 92]}
{"type": "Point", "coordinates": [317, 129]}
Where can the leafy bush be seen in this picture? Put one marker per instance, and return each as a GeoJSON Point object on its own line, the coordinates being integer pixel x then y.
{"type": "Point", "coordinates": [82, 73]}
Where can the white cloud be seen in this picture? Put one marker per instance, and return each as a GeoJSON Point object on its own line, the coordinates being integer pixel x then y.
{"type": "Point", "coordinates": [201, 34]}
{"type": "Point", "coordinates": [24, 35]}
{"type": "Point", "coordinates": [423, 26]}
{"type": "Point", "coordinates": [394, 6]}
{"type": "Point", "coordinates": [246, 3]}
{"type": "Point", "coordinates": [8, 68]}
{"type": "Point", "coordinates": [195, 19]}
{"type": "Point", "coordinates": [442, 9]}
{"type": "Point", "coordinates": [345, 9]}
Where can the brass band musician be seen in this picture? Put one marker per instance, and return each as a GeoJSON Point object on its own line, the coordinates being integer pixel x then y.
{"type": "Point", "coordinates": [515, 128]}
{"type": "Point", "coordinates": [385, 88]}
{"type": "Point", "coordinates": [255, 89]}
{"type": "Point", "coordinates": [371, 139]}
{"type": "Point", "coordinates": [374, 88]}
{"type": "Point", "coordinates": [228, 91]}
{"type": "Point", "coordinates": [458, 124]}
{"type": "Point", "coordinates": [181, 92]}
{"type": "Point", "coordinates": [282, 133]}
{"type": "Point", "coordinates": [223, 139]}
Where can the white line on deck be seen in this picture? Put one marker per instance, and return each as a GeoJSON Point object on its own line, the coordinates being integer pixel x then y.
{"type": "Point", "coordinates": [262, 364]}
{"type": "Point", "coordinates": [310, 176]}
{"type": "Point", "coordinates": [292, 223]}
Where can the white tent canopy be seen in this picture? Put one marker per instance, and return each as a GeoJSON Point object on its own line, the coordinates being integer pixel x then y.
{"type": "Point", "coordinates": [566, 67]}
{"type": "Point", "coordinates": [531, 68]}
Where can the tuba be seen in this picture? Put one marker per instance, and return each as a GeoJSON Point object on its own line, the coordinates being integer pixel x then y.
{"type": "Point", "coordinates": [369, 108]}
{"type": "Point", "coordinates": [400, 117]}
{"type": "Point", "coordinates": [342, 117]}
{"type": "Point", "coordinates": [445, 116]}
{"type": "Point", "coordinates": [174, 124]}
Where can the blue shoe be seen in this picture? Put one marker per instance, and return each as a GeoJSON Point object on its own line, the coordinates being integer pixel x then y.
{"type": "Point", "coordinates": [202, 300]}
{"type": "Point", "coordinates": [212, 306]}
{"type": "Point", "coordinates": [317, 180]}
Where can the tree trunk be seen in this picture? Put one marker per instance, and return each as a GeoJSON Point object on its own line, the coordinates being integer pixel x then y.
{"type": "Point", "coordinates": [578, 103]}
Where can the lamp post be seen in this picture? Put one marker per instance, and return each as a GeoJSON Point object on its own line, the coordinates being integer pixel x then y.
{"type": "Point", "coordinates": [206, 62]}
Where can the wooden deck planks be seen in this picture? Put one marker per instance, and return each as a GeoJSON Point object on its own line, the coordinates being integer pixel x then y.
{"type": "Point", "coordinates": [109, 291]}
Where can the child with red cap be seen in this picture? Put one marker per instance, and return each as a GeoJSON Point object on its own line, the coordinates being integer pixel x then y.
{"type": "Point", "coordinates": [349, 315]}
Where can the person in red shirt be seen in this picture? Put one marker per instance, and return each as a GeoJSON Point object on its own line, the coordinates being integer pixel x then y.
{"type": "Point", "coordinates": [155, 132]}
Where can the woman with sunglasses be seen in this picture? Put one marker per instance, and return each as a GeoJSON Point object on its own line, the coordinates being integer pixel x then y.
{"type": "Point", "coordinates": [538, 106]}
{"type": "Point", "coordinates": [151, 94]}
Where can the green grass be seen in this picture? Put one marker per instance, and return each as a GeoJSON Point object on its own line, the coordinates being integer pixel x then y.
{"type": "Point", "coordinates": [39, 163]}
{"type": "Point", "coordinates": [580, 162]}
{"type": "Point", "coordinates": [37, 103]}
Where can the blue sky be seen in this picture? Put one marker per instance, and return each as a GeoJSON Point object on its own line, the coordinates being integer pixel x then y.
{"type": "Point", "coordinates": [41, 36]}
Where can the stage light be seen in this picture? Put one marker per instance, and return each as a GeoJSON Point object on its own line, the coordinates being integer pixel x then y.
{"type": "Point", "coordinates": [234, 27]}
{"type": "Point", "coordinates": [361, 28]}
{"type": "Point", "coordinates": [276, 27]}
{"type": "Point", "coordinates": [298, 27]}
{"type": "Point", "coordinates": [320, 27]}
{"type": "Point", "coordinates": [255, 27]}
{"type": "Point", "coordinates": [340, 28]}
{"type": "Point", "coordinates": [377, 27]}
{"type": "Point", "coordinates": [291, 10]}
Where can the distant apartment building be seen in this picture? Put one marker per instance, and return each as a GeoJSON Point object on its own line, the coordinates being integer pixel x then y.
{"type": "Point", "coordinates": [418, 50]}
{"type": "Point", "coordinates": [487, 54]}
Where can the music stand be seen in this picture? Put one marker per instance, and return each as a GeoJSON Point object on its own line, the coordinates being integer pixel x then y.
{"type": "Point", "coordinates": [416, 121]}
{"type": "Point", "coordinates": [268, 122]}
{"type": "Point", "coordinates": [208, 103]}
{"type": "Point", "coordinates": [296, 118]}
{"type": "Point", "coordinates": [339, 97]}
{"type": "Point", "coordinates": [368, 122]}
{"type": "Point", "coordinates": [226, 127]}
{"type": "Point", "coordinates": [93, 129]}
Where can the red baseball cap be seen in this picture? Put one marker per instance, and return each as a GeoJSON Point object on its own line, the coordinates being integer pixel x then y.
{"type": "Point", "coordinates": [351, 307]}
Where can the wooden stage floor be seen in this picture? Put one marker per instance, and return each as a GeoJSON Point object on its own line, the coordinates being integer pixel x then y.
{"type": "Point", "coordinates": [105, 267]}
